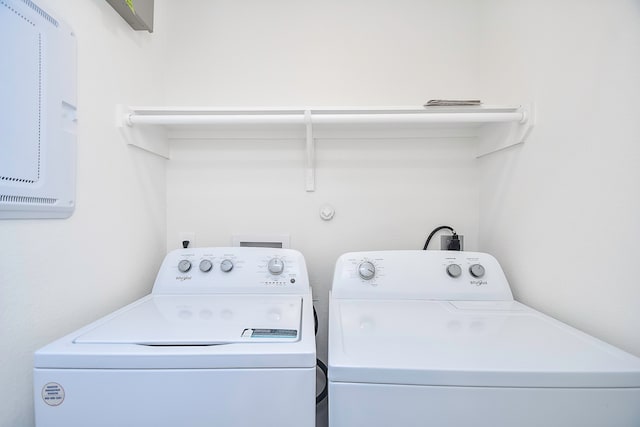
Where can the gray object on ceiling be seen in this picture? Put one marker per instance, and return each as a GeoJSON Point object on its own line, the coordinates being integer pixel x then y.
{"type": "Point", "coordinates": [138, 13]}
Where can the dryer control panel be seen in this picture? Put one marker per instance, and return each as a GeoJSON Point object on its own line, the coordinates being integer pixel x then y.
{"type": "Point", "coordinates": [436, 275]}
{"type": "Point", "coordinates": [232, 270]}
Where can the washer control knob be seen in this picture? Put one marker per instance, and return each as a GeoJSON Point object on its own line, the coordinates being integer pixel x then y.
{"type": "Point", "coordinates": [184, 265]}
{"type": "Point", "coordinates": [367, 270]}
{"type": "Point", "coordinates": [226, 265]}
{"type": "Point", "coordinates": [206, 265]}
{"type": "Point", "coordinates": [276, 266]}
{"type": "Point", "coordinates": [454, 270]}
{"type": "Point", "coordinates": [476, 270]}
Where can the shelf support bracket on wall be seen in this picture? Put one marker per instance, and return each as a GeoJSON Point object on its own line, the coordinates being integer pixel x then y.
{"type": "Point", "coordinates": [310, 171]}
{"type": "Point", "coordinates": [151, 139]}
{"type": "Point", "coordinates": [500, 138]}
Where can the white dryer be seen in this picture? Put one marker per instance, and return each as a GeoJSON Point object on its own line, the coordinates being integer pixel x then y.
{"type": "Point", "coordinates": [226, 338]}
{"type": "Point", "coordinates": [434, 338]}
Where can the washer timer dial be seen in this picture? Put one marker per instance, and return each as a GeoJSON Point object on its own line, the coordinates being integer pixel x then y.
{"type": "Point", "coordinates": [276, 266]}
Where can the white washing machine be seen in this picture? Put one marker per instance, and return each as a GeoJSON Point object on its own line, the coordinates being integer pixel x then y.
{"type": "Point", "coordinates": [226, 338]}
{"type": "Point", "coordinates": [434, 338]}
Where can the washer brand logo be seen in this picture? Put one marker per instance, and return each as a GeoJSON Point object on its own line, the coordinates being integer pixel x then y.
{"type": "Point", "coordinates": [183, 278]}
{"type": "Point", "coordinates": [478, 282]}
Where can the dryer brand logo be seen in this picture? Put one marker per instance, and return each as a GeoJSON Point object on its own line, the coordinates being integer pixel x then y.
{"type": "Point", "coordinates": [478, 282]}
{"type": "Point", "coordinates": [183, 278]}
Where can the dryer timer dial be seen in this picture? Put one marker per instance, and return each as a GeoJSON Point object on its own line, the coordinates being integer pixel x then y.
{"type": "Point", "coordinates": [367, 270]}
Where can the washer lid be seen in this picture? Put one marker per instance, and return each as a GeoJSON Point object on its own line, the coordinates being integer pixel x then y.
{"type": "Point", "coordinates": [468, 343]}
{"type": "Point", "coordinates": [170, 320]}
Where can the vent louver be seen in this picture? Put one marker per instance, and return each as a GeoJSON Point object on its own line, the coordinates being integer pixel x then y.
{"type": "Point", "coordinates": [41, 12]}
{"type": "Point", "coordinates": [4, 198]}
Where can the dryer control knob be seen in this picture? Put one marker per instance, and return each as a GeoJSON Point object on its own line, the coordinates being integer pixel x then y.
{"type": "Point", "coordinates": [184, 265]}
{"type": "Point", "coordinates": [276, 266]}
{"type": "Point", "coordinates": [476, 271]}
{"type": "Point", "coordinates": [206, 265]}
{"type": "Point", "coordinates": [367, 270]}
{"type": "Point", "coordinates": [454, 270]}
{"type": "Point", "coordinates": [226, 265]}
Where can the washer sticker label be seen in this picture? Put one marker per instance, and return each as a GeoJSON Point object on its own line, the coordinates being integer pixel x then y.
{"type": "Point", "coordinates": [53, 394]}
{"type": "Point", "coordinates": [269, 333]}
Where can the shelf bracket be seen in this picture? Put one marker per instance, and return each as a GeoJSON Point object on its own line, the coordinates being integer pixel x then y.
{"type": "Point", "coordinates": [152, 140]}
{"type": "Point", "coordinates": [310, 171]}
{"type": "Point", "coordinates": [501, 138]}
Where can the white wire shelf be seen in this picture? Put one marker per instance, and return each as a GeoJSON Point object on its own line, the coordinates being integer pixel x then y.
{"type": "Point", "coordinates": [179, 123]}
{"type": "Point", "coordinates": [404, 115]}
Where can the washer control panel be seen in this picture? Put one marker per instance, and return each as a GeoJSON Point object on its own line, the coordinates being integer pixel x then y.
{"type": "Point", "coordinates": [232, 270]}
{"type": "Point", "coordinates": [439, 275]}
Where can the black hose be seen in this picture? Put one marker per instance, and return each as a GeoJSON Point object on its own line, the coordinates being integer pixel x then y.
{"type": "Point", "coordinates": [325, 391]}
{"type": "Point", "coordinates": [315, 320]}
{"type": "Point", "coordinates": [321, 365]}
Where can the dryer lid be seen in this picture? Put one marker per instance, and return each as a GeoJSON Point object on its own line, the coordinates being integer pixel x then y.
{"type": "Point", "coordinates": [188, 320]}
{"type": "Point", "coordinates": [472, 343]}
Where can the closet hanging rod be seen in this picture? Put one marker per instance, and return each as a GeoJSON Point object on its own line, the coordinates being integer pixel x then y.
{"type": "Point", "coordinates": [214, 118]}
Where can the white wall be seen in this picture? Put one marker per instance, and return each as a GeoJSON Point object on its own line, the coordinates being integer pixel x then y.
{"type": "Point", "coordinates": [562, 212]}
{"type": "Point", "coordinates": [331, 52]}
{"type": "Point", "coordinates": [56, 275]}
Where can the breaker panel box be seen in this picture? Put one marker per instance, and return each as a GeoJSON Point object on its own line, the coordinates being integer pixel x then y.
{"type": "Point", "coordinates": [37, 113]}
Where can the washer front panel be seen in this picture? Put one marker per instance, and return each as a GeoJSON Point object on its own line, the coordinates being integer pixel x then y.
{"type": "Point", "coordinates": [178, 397]}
